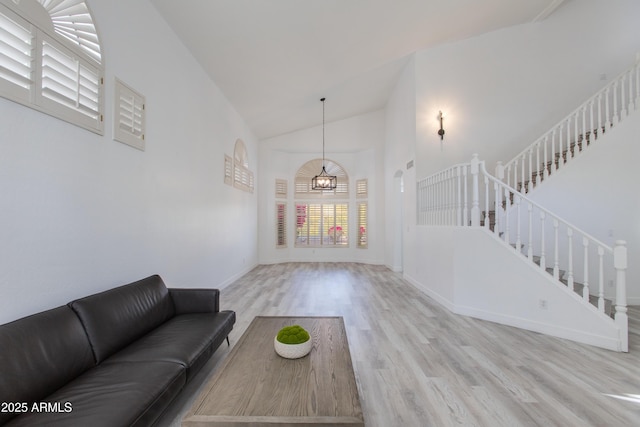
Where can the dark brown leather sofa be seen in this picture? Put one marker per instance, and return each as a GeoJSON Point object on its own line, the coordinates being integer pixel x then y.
{"type": "Point", "coordinates": [117, 358]}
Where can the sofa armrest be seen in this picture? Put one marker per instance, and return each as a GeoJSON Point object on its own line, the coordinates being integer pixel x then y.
{"type": "Point", "coordinates": [195, 300]}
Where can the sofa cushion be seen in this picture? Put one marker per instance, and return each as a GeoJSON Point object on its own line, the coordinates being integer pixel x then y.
{"type": "Point", "coordinates": [114, 394]}
{"type": "Point", "coordinates": [115, 318]}
{"type": "Point", "coordinates": [39, 354]}
{"type": "Point", "coordinates": [187, 339]}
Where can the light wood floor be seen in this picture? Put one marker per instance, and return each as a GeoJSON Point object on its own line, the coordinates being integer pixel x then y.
{"type": "Point", "coordinates": [417, 364]}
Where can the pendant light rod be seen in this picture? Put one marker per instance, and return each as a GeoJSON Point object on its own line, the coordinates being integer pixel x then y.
{"type": "Point", "coordinates": [323, 181]}
{"type": "Point", "coordinates": [323, 99]}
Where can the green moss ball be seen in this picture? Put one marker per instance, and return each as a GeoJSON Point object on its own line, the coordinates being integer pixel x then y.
{"type": "Point", "coordinates": [293, 335]}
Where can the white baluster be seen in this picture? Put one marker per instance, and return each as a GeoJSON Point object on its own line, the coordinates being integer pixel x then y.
{"type": "Point", "coordinates": [591, 126]}
{"type": "Point", "coordinates": [599, 115]}
{"type": "Point", "coordinates": [560, 147]}
{"type": "Point", "coordinates": [585, 289]}
{"type": "Point", "coordinates": [497, 209]}
{"type": "Point", "coordinates": [530, 174]}
{"type": "Point", "coordinates": [522, 186]}
{"type": "Point", "coordinates": [584, 132]}
{"type": "Point", "coordinates": [475, 202]}
{"type": "Point", "coordinates": [459, 197]}
{"type": "Point", "coordinates": [538, 170]}
{"type": "Point", "coordinates": [607, 110]}
{"type": "Point", "coordinates": [546, 157]}
{"type": "Point", "coordinates": [486, 202]}
{"type": "Point", "coordinates": [507, 225]}
{"type": "Point", "coordinates": [530, 249]}
{"type": "Point", "coordinates": [465, 212]}
{"type": "Point", "coordinates": [616, 117]}
{"type": "Point", "coordinates": [553, 151]}
{"type": "Point", "coordinates": [631, 107]}
{"type": "Point", "coordinates": [543, 260]}
{"type": "Point", "coordinates": [570, 256]}
{"type": "Point", "coordinates": [637, 69]}
{"type": "Point", "coordinates": [556, 263]}
{"type": "Point", "coordinates": [601, 279]}
{"type": "Point", "coordinates": [518, 238]}
{"type": "Point", "coordinates": [623, 103]}
{"type": "Point", "coordinates": [620, 264]}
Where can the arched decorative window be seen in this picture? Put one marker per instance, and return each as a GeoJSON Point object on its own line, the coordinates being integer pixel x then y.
{"type": "Point", "coordinates": [242, 176]}
{"type": "Point", "coordinates": [50, 60]}
{"type": "Point", "coordinates": [322, 223]}
{"type": "Point", "coordinates": [310, 169]}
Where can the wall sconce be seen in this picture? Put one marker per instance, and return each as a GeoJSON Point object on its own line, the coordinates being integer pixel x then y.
{"type": "Point", "coordinates": [441, 131]}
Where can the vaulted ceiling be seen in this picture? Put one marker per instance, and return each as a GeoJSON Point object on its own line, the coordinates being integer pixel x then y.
{"type": "Point", "coordinates": [275, 59]}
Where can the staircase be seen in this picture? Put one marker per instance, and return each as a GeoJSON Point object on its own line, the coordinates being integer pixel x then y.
{"type": "Point", "coordinates": [466, 195]}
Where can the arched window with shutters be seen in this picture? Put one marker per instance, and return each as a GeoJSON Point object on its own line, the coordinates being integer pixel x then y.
{"type": "Point", "coordinates": [322, 216]}
{"type": "Point", "coordinates": [50, 60]}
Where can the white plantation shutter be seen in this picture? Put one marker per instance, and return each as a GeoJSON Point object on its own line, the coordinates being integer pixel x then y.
{"type": "Point", "coordinates": [70, 82]}
{"type": "Point", "coordinates": [15, 56]}
{"type": "Point", "coordinates": [57, 72]}
{"type": "Point", "coordinates": [129, 123]}
{"type": "Point", "coordinates": [72, 20]}
{"type": "Point", "coordinates": [322, 224]}
{"type": "Point", "coordinates": [362, 225]}
{"type": "Point", "coordinates": [281, 225]}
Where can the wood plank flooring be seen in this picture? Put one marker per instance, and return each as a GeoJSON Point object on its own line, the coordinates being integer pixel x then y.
{"type": "Point", "coordinates": [417, 364]}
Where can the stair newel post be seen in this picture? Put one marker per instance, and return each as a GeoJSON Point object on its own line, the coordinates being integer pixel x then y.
{"type": "Point", "coordinates": [518, 237]}
{"type": "Point", "coordinates": [556, 263]}
{"type": "Point", "coordinates": [515, 174]}
{"type": "Point", "coordinates": [585, 289]}
{"type": "Point", "coordinates": [530, 244]}
{"type": "Point", "coordinates": [570, 255]}
{"type": "Point", "coordinates": [475, 202]}
{"type": "Point", "coordinates": [601, 279]}
{"type": "Point", "coordinates": [543, 260]}
{"type": "Point", "coordinates": [620, 264]}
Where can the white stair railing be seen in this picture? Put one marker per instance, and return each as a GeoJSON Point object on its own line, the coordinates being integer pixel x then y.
{"type": "Point", "coordinates": [456, 197]}
{"type": "Point", "coordinates": [574, 133]}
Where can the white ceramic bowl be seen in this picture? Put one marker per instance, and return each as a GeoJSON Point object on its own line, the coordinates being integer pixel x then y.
{"type": "Point", "coordinates": [292, 351]}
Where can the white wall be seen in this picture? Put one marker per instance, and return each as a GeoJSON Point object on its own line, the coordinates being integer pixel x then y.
{"type": "Point", "coordinates": [502, 90]}
{"type": "Point", "coordinates": [473, 273]}
{"type": "Point", "coordinates": [81, 213]}
{"type": "Point", "coordinates": [399, 151]}
{"type": "Point", "coordinates": [357, 145]}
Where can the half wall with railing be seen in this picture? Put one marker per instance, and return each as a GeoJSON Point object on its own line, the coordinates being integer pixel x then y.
{"type": "Point", "coordinates": [466, 195]}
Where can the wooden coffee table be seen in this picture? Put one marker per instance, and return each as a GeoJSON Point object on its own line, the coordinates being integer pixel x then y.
{"type": "Point", "coordinates": [254, 386]}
